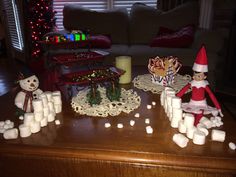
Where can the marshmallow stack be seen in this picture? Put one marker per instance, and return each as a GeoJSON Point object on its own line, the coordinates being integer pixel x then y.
{"type": "Point", "coordinates": [45, 109]}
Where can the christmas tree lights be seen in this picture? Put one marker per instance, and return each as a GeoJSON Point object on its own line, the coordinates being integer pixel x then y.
{"type": "Point", "coordinates": [41, 21]}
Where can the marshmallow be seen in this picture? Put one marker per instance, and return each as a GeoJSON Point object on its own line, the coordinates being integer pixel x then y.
{"type": "Point", "coordinates": [204, 130]}
{"type": "Point", "coordinates": [57, 108]}
{"type": "Point", "coordinates": [147, 121]}
{"type": "Point", "coordinates": [48, 95]}
{"type": "Point", "coordinates": [201, 125]}
{"type": "Point", "coordinates": [132, 122]}
{"type": "Point", "coordinates": [218, 135]}
{"type": "Point", "coordinates": [188, 120]}
{"type": "Point", "coordinates": [46, 111]}
{"type": "Point", "coordinates": [181, 127]}
{"type": "Point", "coordinates": [180, 140]}
{"type": "Point", "coordinates": [199, 137]}
{"type": "Point", "coordinates": [2, 130]}
{"type": "Point", "coordinates": [35, 127]}
{"type": "Point", "coordinates": [137, 115]}
{"type": "Point", "coordinates": [51, 106]}
{"type": "Point", "coordinates": [176, 117]}
{"type": "Point", "coordinates": [190, 132]}
{"type": "Point", "coordinates": [149, 106]}
{"type": "Point", "coordinates": [205, 121]}
{"type": "Point", "coordinates": [2, 123]}
{"type": "Point", "coordinates": [120, 126]}
{"type": "Point", "coordinates": [44, 100]}
{"type": "Point", "coordinates": [107, 125]}
{"type": "Point", "coordinates": [56, 99]}
{"type": "Point", "coordinates": [44, 122]}
{"type": "Point", "coordinates": [176, 102]}
{"type": "Point", "coordinates": [153, 103]}
{"type": "Point", "coordinates": [57, 122]}
{"type": "Point", "coordinates": [162, 98]}
{"type": "Point", "coordinates": [28, 118]}
{"type": "Point", "coordinates": [7, 121]}
{"type": "Point", "coordinates": [169, 112]}
{"type": "Point", "coordinates": [21, 117]}
{"type": "Point", "coordinates": [25, 131]}
{"type": "Point", "coordinates": [57, 92]}
{"type": "Point", "coordinates": [38, 116]}
{"type": "Point", "coordinates": [149, 130]}
{"type": "Point", "coordinates": [11, 134]}
{"type": "Point", "coordinates": [232, 146]}
{"type": "Point", "coordinates": [6, 126]}
{"type": "Point", "coordinates": [168, 100]}
{"type": "Point", "coordinates": [37, 105]}
{"type": "Point", "coordinates": [51, 117]}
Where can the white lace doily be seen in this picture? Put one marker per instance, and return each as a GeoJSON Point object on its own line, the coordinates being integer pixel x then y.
{"type": "Point", "coordinates": [144, 82]}
{"type": "Point", "coordinates": [129, 101]}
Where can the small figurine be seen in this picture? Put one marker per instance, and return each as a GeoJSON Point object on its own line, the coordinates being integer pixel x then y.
{"type": "Point", "coordinates": [29, 84]}
{"type": "Point", "coordinates": [199, 85]}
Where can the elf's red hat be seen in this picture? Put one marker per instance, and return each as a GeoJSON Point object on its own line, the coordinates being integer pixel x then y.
{"type": "Point", "coordinates": [201, 63]}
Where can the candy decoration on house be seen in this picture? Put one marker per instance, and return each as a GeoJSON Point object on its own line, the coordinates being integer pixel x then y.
{"type": "Point", "coordinates": [199, 85]}
{"type": "Point", "coordinates": [67, 37]}
{"type": "Point", "coordinates": [41, 21]}
{"type": "Point", "coordinates": [164, 69]}
{"type": "Point", "coordinates": [29, 84]}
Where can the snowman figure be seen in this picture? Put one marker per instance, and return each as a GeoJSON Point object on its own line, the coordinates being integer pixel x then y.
{"type": "Point", "coordinates": [29, 84]}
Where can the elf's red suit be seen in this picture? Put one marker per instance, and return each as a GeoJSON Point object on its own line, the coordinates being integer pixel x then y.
{"type": "Point", "coordinates": [198, 105]}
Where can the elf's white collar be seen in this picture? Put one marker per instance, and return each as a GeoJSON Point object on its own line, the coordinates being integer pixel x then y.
{"type": "Point", "coordinates": [199, 84]}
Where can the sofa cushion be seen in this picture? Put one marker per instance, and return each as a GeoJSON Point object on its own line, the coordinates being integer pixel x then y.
{"type": "Point", "coordinates": [113, 23]}
{"type": "Point", "coordinates": [169, 38]}
{"type": "Point", "coordinates": [185, 14]}
{"type": "Point", "coordinates": [145, 21]}
{"type": "Point", "coordinates": [143, 26]}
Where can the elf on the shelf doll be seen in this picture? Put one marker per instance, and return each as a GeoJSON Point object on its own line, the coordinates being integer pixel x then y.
{"type": "Point", "coordinates": [199, 85]}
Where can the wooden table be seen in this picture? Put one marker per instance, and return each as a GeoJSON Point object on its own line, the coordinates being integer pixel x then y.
{"type": "Point", "coordinates": [82, 146]}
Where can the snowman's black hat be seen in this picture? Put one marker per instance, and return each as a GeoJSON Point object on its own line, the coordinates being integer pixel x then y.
{"type": "Point", "coordinates": [25, 73]}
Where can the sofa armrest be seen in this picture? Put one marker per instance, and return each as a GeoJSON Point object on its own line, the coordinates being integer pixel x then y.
{"type": "Point", "coordinates": [213, 40]}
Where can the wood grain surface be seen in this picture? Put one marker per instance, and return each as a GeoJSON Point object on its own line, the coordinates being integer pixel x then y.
{"type": "Point", "coordinates": [82, 146]}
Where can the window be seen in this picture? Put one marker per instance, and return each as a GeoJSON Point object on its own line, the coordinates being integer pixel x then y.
{"type": "Point", "coordinates": [14, 25]}
{"type": "Point", "coordinates": [97, 5]}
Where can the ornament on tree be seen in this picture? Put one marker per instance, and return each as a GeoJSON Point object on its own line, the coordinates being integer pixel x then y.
{"type": "Point", "coordinates": [199, 85]}
{"type": "Point", "coordinates": [29, 84]}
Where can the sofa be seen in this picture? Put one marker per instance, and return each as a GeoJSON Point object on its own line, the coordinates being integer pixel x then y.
{"type": "Point", "coordinates": [134, 34]}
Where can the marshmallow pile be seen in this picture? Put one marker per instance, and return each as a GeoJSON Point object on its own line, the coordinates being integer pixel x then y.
{"type": "Point", "coordinates": [45, 110]}
{"type": "Point", "coordinates": [185, 122]}
{"type": "Point", "coordinates": [5, 125]}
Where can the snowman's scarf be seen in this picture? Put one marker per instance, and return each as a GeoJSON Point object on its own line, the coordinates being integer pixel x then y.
{"type": "Point", "coordinates": [28, 97]}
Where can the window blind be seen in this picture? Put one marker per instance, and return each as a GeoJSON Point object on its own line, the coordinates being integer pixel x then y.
{"type": "Point", "coordinates": [98, 5]}
{"type": "Point", "coordinates": [58, 5]}
{"type": "Point", "coordinates": [14, 25]}
{"type": "Point", "coordinates": [128, 3]}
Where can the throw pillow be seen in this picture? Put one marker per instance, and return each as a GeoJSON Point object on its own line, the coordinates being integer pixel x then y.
{"type": "Point", "coordinates": [100, 41]}
{"type": "Point", "coordinates": [174, 39]}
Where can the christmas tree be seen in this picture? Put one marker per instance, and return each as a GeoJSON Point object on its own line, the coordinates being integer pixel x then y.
{"type": "Point", "coordinates": [41, 21]}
